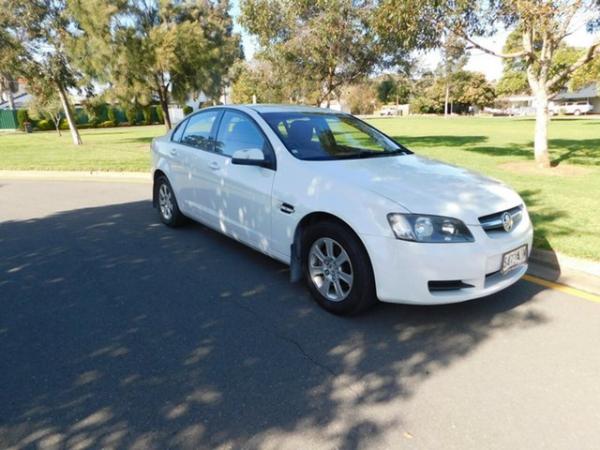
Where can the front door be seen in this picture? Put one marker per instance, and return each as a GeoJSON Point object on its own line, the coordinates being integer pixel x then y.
{"type": "Point", "coordinates": [242, 202]}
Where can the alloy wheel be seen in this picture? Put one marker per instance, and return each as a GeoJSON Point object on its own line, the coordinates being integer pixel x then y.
{"type": "Point", "coordinates": [165, 201]}
{"type": "Point", "coordinates": [330, 269]}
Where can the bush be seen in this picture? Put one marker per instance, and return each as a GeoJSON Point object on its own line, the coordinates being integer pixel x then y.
{"type": "Point", "coordinates": [159, 114]}
{"type": "Point", "coordinates": [425, 105]}
{"type": "Point", "coordinates": [131, 115]}
{"type": "Point", "coordinates": [112, 116]}
{"type": "Point", "coordinates": [45, 125]}
{"type": "Point", "coordinates": [64, 125]}
{"type": "Point", "coordinates": [22, 117]}
{"type": "Point", "coordinates": [108, 124]}
{"type": "Point", "coordinates": [147, 111]}
{"type": "Point", "coordinates": [81, 117]}
{"type": "Point", "coordinates": [187, 110]}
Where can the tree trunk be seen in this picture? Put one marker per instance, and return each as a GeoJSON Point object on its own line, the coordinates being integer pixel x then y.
{"type": "Point", "coordinates": [329, 86]}
{"type": "Point", "coordinates": [542, 117]}
{"type": "Point", "coordinates": [446, 100]}
{"type": "Point", "coordinates": [11, 99]}
{"type": "Point", "coordinates": [164, 105]}
{"type": "Point", "coordinates": [68, 114]}
{"type": "Point", "coordinates": [56, 120]}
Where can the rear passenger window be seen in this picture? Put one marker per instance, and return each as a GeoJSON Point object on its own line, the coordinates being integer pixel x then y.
{"type": "Point", "coordinates": [176, 137]}
{"type": "Point", "coordinates": [197, 131]}
{"type": "Point", "coordinates": [238, 132]}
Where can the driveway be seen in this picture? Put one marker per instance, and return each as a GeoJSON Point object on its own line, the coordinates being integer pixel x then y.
{"type": "Point", "coordinates": [117, 332]}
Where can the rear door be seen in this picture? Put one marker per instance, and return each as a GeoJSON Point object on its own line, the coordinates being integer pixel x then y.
{"type": "Point", "coordinates": [242, 200]}
{"type": "Point", "coordinates": [195, 151]}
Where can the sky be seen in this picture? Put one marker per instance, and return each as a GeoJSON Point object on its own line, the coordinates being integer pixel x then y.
{"type": "Point", "coordinates": [489, 65]}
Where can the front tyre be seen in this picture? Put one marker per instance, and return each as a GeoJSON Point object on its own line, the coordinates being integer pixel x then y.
{"type": "Point", "coordinates": [168, 211]}
{"type": "Point", "coordinates": [337, 269]}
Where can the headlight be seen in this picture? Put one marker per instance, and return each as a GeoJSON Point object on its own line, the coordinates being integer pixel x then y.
{"type": "Point", "coordinates": [420, 228]}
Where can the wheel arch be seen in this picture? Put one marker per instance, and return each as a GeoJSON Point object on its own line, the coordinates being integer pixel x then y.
{"type": "Point", "coordinates": [157, 174]}
{"type": "Point", "coordinates": [307, 221]}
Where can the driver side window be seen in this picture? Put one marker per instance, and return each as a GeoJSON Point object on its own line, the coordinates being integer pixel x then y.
{"type": "Point", "coordinates": [198, 130]}
{"type": "Point", "coordinates": [238, 132]}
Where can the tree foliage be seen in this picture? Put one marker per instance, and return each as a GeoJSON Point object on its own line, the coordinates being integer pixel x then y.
{"type": "Point", "coordinates": [318, 46]}
{"type": "Point", "coordinates": [361, 98]}
{"type": "Point", "coordinates": [257, 80]}
{"type": "Point", "coordinates": [148, 49]}
{"type": "Point", "coordinates": [393, 89]}
{"type": "Point", "coordinates": [45, 103]}
{"type": "Point", "coordinates": [469, 89]}
{"type": "Point", "coordinates": [37, 32]}
{"type": "Point", "coordinates": [514, 75]}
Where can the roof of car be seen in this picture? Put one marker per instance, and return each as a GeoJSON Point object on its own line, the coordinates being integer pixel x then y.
{"type": "Point", "coordinates": [271, 108]}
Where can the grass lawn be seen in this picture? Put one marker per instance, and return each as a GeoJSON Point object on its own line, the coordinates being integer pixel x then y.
{"type": "Point", "coordinates": [112, 149]}
{"type": "Point", "coordinates": [564, 205]}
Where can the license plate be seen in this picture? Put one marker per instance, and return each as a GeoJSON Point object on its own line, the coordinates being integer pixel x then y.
{"type": "Point", "coordinates": [514, 258]}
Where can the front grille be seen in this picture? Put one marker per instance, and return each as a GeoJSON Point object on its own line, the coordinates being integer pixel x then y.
{"type": "Point", "coordinates": [493, 222]}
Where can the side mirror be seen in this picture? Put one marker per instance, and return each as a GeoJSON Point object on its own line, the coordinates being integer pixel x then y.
{"type": "Point", "coordinates": [250, 157]}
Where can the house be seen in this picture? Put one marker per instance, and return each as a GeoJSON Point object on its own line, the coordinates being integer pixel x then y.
{"type": "Point", "coordinates": [21, 98]}
{"type": "Point", "coordinates": [589, 94]}
{"type": "Point", "coordinates": [524, 105]}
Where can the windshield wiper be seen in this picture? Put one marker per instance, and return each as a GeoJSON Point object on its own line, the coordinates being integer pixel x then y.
{"type": "Point", "coordinates": [370, 153]}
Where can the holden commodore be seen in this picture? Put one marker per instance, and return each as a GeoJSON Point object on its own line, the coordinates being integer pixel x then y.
{"type": "Point", "coordinates": [356, 214]}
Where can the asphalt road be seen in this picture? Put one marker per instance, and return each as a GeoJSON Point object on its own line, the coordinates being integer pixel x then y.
{"type": "Point", "coordinates": [117, 332]}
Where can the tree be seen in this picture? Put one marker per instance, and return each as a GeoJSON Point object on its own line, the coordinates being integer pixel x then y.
{"type": "Point", "coordinates": [152, 48]}
{"type": "Point", "coordinates": [45, 103]}
{"type": "Point", "coordinates": [475, 90]}
{"type": "Point", "coordinates": [514, 74]}
{"type": "Point", "coordinates": [393, 89]}
{"type": "Point", "coordinates": [454, 60]}
{"type": "Point", "coordinates": [38, 31]}
{"type": "Point", "coordinates": [320, 45]}
{"type": "Point", "coordinates": [8, 61]}
{"type": "Point", "coordinates": [256, 80]}
{"type": "Point", "coordinates": [361, 98]}
{"type": "Point", "coordinates": [468, 89]}
{"type": "Point", "coordinates": [543, 25]}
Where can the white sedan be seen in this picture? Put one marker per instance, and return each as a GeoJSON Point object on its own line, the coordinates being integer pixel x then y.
{"type": "Point", "coordinates": [355, 213]}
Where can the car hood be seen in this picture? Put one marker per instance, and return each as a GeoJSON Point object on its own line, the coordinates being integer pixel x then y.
{"type": "Point", "coordinates": [426, 186]}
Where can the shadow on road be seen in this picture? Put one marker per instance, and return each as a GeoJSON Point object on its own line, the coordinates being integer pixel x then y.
{"type": "Point", "coordinates": [118, 332]}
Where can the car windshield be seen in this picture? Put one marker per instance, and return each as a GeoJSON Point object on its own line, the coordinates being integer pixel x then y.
{"type": "Point", "coordinates": [326, 136]}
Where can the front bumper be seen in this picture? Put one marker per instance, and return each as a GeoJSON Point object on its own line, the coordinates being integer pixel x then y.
{"type": "Point", "coordinates": [404, 269]}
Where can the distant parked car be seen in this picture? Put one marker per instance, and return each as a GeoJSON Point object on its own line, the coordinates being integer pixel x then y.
{"type": "Point", "coordinates": [388, 111]}
{"type": "Point", "coordinates": [354, 212]}
{"type": "Point", "coordinates": [574, 108]}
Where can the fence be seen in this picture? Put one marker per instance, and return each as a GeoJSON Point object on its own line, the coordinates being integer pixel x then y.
{"type": "Point", "coordinates": [8, 119]}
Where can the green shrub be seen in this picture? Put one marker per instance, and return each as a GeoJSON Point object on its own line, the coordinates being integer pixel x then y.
{"type": "Point", "coordinates": [159, 114]}
{"type": "Point", "coordinates": [45, 125]}
{"type": "Point", "coordinates": [147, 111]}
{"type": "Point", "coordinates": [22, 117]}
{"type": "Point", "coordinates": [187, 110]}
{"type": "Point", "coordinates": [64, 125]}
{"type": "Point", "coordinates": [131, 115]}
{"type": "Point", "coordinates": [81, 117]}
{"type": "Point", "coordinates": [93, 123]}
{"type": "Point", "coordinates": [112, 115]}
{"type": "Point", "coordinates": [108, 124]}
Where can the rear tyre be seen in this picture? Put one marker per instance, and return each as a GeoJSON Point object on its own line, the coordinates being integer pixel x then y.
{"type": "Point", "coordinates": [577, 112]}
{"type": "Point", "coordinates": [166, 203]}
{"type": "Point", "coordinates": [337, 269]}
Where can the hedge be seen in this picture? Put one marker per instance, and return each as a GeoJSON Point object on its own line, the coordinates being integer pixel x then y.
{"type": "Point", "coordinates": [22, 117]}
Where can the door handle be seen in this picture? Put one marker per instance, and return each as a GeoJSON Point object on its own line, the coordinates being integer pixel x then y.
{"type": "Point", "coordinates": [173, 151]}
{"type": "Point", "coordinates": [214, 165]}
